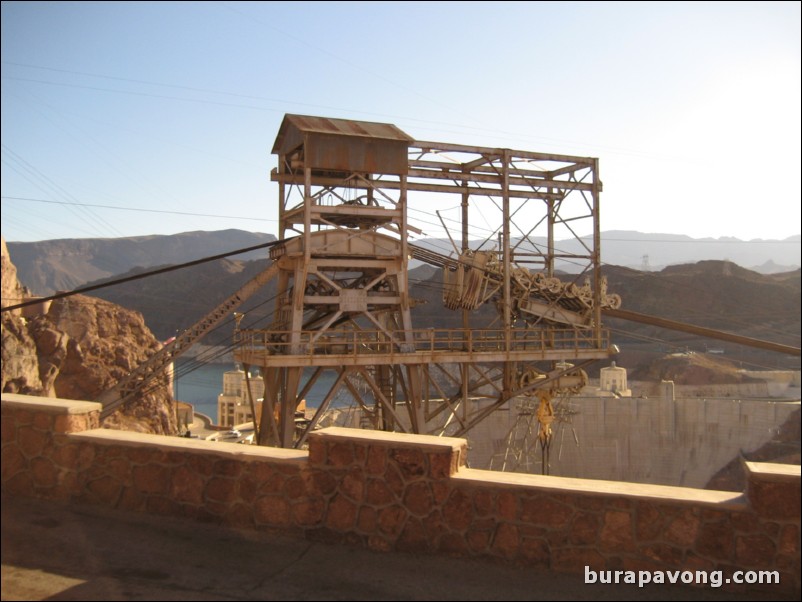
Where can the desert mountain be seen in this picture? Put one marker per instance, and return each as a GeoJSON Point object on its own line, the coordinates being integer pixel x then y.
{"type": "Point", "coordinates": [653, 252]}
{"type": "Point", "coordinates": [51, 265]}
{"type": "Point", "coordinates": [715, 294]}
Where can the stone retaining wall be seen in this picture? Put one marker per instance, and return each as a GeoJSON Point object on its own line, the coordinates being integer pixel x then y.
{"type": "Point", "coordinates": [388, 491]}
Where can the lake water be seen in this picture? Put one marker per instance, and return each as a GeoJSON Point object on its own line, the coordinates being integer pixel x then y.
{"type": "Point", "coordinates": [202, 385]}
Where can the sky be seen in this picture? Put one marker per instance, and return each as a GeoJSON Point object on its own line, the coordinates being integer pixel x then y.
{"type": "Point", "coordinates": [140, 118]}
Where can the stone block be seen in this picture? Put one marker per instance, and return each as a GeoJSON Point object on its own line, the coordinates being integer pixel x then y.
{"type": "Point", "coordinates": [360, 454]}
{"type": "Point", "coordinates": [413, 537]}
{"type": "Point", "coordinates": [535, 552]}
{"type": "Point", "coordinates": [452, 543]}
{"type": "Point", "coordinates": [163, 506]}
{"type": "Point", "coordinates": [295, 487]}
{"type": "Point", "coordinates": [552, 512]}
{"type": "Point", "coordinates": [248, 489]}
{"type": "Point", "coordinates": [222, 490]}
{"type": "Point", "coordinates": [478, 541]}
{"type": "Point", "coordinates": [664, 553]}
{"type": "Point", "coordinates": [507, 505]}
{"type": "Point", "coordinates": [132, 499]}
{"type": "Point", "coordinates": [789, 540]}
{"type": "Point", "coordinates": [418, 498]}
{"type": "Point", "coordinates": [434, 525]}
{"type": "Point", "coordinates": [379, 494]}
{"type": "Point", "coordinates": [19, 484]}
{"type": "Point", "coordinates": [754, 551]}
{"type": "Point", "coordinates": [483, 503]}
{"type": "Point", "coordinates": [120, 469]}
{"type": "Point", "coordinates": [143, 455]}
{"type": "Point", "coordinates": [440, 491]}
{"type": "Point", "coordinates": [489, 524]}
{"type": "Point", "coordinates": [151, 478]}
{"type": "Point", "coordinates": [86, 456]}
{"type": "Point", "coordinates": [273, 484]}
{"type": "Point", "coordinates": [505, 541]}
{"type": "Point", "coordinates": [32, 442]}
{"type": "Point", "coordinates": [43, 473]}
{"type": "Point", "coordinates": [458, 510]}
{"type": "Point", "coordinates": [317, 451]}
{"type": "Point", "coordinates": [13, 462]}
{"type": "Point", "coordinates": [442, 465]}
{"type": "Point", "coordinates": [8, 429]}
{"type": "Point", "coordinates": [616, 532]}
{"type": "Point", "coordinates": [694, 562]}
{"type": "Point", "coordinates": [367, 520]}
{"type": "Point", "coordinates": [391, 520]}
{"type": "Point", "coordinates": [65, 456]}
{"type": "Point", "coordinates": [584, 529]}
{"type": "Point", "coordinates": [715, 541]}
{"type": "Point", "coordinates": [745, 522]}
{"type": "Point", "coordinates": [683, 528]}
{"type": "Point", "coordinates": [353, 485]}
{"type": "Point", "coordinates": [43, 422]}
{"type": "Point", "coordinates": [227, 468]}
{"type": "Point", "coordinates": [778, 500]}
{"type": "Point", "coordinates": [590, 502]}
{"type": "Point", "coordinates": [321, 483]}
{"type": "Point", "coordinates": [410, 461]}
{"type": "Point", "coordinates": [341, 514]}
{"type": "Point", "coordinates": [376, 460]}
{"type": "Point", "coordinates": [105, 491]}
{"type": "Point", "coordinates": [308, 512]}
{"type": "Point", "coordinates": [239, 515]}
{"type": "Point", "coordinates": [340, 454]}
{"type": "Point", "coordinates": [394, 480]}
{"type": "Point", "coordinates": [649, 521]}
{"type": "Point", "coordinates": [21, 417]}
{"type": "Point", "coordinates": [204, 465]}
{"type": "Point", "coordinates": [272, 510]}
{"type": "Point", "coordinates": [186, 486]}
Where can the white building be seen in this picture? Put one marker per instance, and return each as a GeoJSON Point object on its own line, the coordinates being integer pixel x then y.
{"type": "Point", "coordinates": [234, 403]}
{"type": "Point", "coordinates": [613, 382]}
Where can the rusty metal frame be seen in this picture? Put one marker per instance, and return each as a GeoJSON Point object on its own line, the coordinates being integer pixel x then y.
{"type": "Point", "coordinates": [359, 305]}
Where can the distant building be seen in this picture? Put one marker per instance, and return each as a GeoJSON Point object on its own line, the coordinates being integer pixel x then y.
{"type": "Point", "coordinates": [234, 403]}
{"type": "Point", "coordinates": [613, 382]}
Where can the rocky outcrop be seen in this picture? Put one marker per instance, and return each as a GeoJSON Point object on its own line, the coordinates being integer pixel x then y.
{"type": "Point", "coordinates": [692, 369]}
{"type": "Point", "coordinates": [20, 368]}
{"type": "Point", "coordinates": [81, 347]}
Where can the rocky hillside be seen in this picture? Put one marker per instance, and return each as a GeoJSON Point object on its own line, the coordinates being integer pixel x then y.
{"type": "Point", "coordinates": [715, 294]}
{"type": "Point", "coordinates": [691, 369]}
{"type": "Point", "coordinates": [51, 265]}
{"type": "Point", "coordinates": [79, 348]}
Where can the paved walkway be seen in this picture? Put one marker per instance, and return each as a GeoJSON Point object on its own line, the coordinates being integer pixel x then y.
{"type": "Point", "coordinates": [57, 552]}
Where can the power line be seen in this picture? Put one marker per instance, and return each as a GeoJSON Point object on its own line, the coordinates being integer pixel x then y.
{"type": "Point", "coordinates": [140, 209]}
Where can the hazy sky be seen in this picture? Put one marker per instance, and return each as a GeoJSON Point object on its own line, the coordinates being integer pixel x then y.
{"type": "Point", "coordinates": [692, 108]}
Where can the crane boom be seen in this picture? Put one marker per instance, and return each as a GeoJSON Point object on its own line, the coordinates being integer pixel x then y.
{"type": "Point", "coordinates": [632, 316]}
{"type": "Point", "coordinates": [136, 380]}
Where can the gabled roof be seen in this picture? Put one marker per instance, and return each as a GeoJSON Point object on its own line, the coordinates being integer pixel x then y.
{"type": "Point", "coordinates": [339, 127]}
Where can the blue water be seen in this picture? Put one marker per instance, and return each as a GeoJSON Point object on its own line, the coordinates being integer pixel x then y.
{"type": "Point", "coordinates": [201, 386]}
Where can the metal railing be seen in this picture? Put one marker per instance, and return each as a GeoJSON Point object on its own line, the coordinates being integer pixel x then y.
{"type": "Point", "coordinates": [428, 340]}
